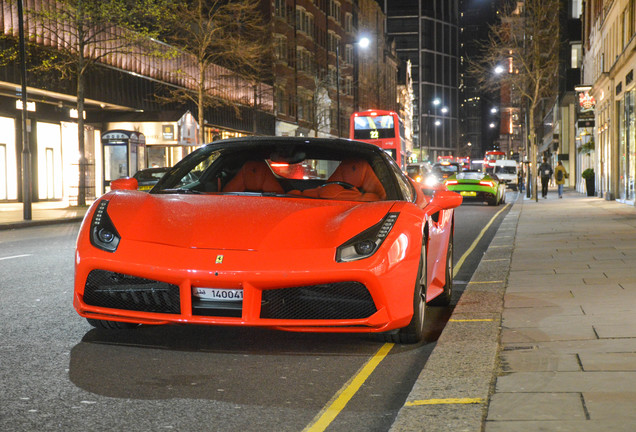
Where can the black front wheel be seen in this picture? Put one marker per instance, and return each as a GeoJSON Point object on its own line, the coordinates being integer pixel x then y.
{"type": "Point", "coordinates": [414, 331]}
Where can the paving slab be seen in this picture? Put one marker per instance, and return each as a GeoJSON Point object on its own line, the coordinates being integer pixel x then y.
{"type": "Point", "coordinates": [604, 361]}
{"type": "Point", "coordinates": [568, 382]}
{"type": "Point", "coordinates": [517, 359]}
{"type": "Point", "coordinates": [536, 406]}
{"type": "Point", "coordinates": [612, 406]}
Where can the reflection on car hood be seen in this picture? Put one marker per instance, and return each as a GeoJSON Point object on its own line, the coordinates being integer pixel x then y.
{"type": "Point", "coordinates": [240, 222]}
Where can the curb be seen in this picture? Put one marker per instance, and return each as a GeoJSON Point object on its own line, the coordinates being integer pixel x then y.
{"type": "Point", "coordinates": [452, 391]}
{"type": "Point", "coordinates": [41, 222]}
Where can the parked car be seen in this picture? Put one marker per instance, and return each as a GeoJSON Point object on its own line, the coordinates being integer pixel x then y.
{"type": "Point", "coordinates": [478, 186]}
{"type": "Point", "coordinates": [148, 177]}
{"type": "Point", "coordinates": [356, 247]}
{"type": "Point", "coordinates": [507, 172]}
{"type": "Point", "coordinates": [418, 171]}
{"type": "Point", "coordinates": [443, 170]}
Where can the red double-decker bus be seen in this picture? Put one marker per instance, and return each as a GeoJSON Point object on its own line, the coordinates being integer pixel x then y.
{"type": "Point", "coordinates": [382, 128]}
{"type": "Point", "coordinates": [490, 157]}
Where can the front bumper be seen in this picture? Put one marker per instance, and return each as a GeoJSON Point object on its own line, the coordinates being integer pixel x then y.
{"type": "Point", "coordinates": [305, 290]}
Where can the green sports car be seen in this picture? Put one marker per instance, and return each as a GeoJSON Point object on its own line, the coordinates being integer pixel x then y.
{"type": "Point", "coordinates": [477, 186]}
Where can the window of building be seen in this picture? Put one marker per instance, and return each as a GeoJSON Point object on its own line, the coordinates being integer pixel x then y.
{"type": "Point", "coordinates": [333, 41]}
{"type": "Point", "coordinates": [576, 50]}
{"type": "Point", "coordinates": [349, 54]}
{"type": "Point", "coordinates": [304, 60]}
{"type": "Point", "coordinates": [280, 48]}
{"type": "Point", "coordinates": [575, 8]}
{"type": "Point", "coordinates": [348, 84]}
{"type": "Point", "coordinates": [304, 21]}
{"type": "Point", "coordinates": [348, 22]}
{"type": "Point", "coordinates": [280, 9]}
{"type": "Point", "coordinates": [334, 10]}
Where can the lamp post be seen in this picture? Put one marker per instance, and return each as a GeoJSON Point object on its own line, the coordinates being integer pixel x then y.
{"type": "Point", "coordinates": [338, 86]}
{"type": "Point", "coordinates": [363, 43]}
{"type": "Point", "coordinates": [26, 151]}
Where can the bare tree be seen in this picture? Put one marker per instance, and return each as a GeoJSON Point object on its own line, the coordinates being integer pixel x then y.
{"type": "Point", "coordinates": [321, 105]}
{"type": "Point", "coordinates": [526, 44]}
{"type": "Point", "coordinates": [227, 49]}
{"type": "Point", "coordinates": [82, 33]}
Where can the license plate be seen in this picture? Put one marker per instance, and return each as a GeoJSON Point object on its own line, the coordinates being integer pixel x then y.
{"type": "Point", "coordinates": [218, 294]}
{"type": "Point", "coordinates": [468, 193]}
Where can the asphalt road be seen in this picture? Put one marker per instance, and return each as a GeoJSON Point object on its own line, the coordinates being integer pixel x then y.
{"type": "Point", "coordinates": [57, 373]}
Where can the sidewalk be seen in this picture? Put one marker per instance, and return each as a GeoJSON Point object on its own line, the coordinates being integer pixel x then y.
{"type": "Point", "coordinates": [567, 358]}
{"type": "Point", "coordinates": [42, 213]}
{"type": "Point", "coordinates": [544, 337]}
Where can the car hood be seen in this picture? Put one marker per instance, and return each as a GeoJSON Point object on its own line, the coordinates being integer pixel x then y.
{"type": "Point", "coordinates": [234, 222]}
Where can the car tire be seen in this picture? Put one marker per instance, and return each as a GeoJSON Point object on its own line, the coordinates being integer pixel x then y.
{"type": "Point", "coordinates": [444, 299]}
{"type": "Point", "coordinates": [111, 325]}
{"type": "Point", "coordinates": [492, 202]}
{"type": "Point", "coordinates": [414, 331]}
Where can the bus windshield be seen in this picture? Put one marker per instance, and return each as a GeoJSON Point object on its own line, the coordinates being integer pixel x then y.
{"type": "Point", "coordinates": [373, 127]}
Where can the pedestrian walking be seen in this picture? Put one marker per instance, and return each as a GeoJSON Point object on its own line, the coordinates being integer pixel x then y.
{"type": "Point", "coordinates": [560, 174]}
{"type": "Point", "coordinates": [545, 172]}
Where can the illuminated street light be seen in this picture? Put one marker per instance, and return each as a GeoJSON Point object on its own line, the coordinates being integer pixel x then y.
{"type": "Point", "coordinates": [499, 69]}
{"type": "Point", "coordinates": [493, 110]}
{"type": "Point", "coordinates": [492, 125]}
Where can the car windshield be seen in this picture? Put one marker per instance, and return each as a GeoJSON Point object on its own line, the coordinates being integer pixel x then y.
{"type": "Point", "coordinates": [470, 176]}
{"type": "Point", "coordinates": [300, 170]}
{"type": "Point", "coordinates": [447, 168]}
{"type": "Point", "coordinates": [505, 170]}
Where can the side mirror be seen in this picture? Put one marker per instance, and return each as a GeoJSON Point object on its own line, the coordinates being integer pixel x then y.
{"type": "Point", "coordinates": [127, 183]}
{"type": "Point", "coordinates": [444, 199]}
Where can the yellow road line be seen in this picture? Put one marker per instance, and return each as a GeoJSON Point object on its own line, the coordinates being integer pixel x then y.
{"type": "Point", "coordinates": [472, 320]}
{"type": "Point", "coordinates": [450, 401]}
{"type": "Point", "coordinates": [337, 403]}
{"type": "Point", "coordinates": [472, 246]}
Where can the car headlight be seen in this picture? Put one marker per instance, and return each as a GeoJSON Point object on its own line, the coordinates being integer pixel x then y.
{"type": "Point", "coordinates": [431, 181]}
{"type": "Point", "coordinates": [367, 242]}
{"type": "Point", "coordinates": [104, 236]}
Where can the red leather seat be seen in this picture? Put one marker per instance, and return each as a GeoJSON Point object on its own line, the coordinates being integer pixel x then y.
{"type": "Point", "coordinates": [254, 176]}
{"type": "Point", "coordinates": [357, 173]}
{"type": "Point", "coordinates": [360, 174]}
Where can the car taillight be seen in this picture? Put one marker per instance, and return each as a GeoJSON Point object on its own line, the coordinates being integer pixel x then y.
{"type": "Point", "coordinates": [451, 182]}
{"type": "Point", "coordinates": [486, 183]}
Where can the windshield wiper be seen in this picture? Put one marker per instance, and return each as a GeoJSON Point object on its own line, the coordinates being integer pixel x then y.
{"type": "Point", "coordinates": [179, 191]}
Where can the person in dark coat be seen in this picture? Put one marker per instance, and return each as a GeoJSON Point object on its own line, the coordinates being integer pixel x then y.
{"type": "Point", "coordinates": [545, 172]}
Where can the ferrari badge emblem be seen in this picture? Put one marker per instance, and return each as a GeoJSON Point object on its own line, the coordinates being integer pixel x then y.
{"type": "Point", "coordinates": [219, 259]}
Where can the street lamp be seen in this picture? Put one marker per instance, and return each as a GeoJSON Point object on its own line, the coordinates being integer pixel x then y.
{"type": "Point", "coordinates": [363, 43]}
{"type": "Point", "coordinates": [444, 109]}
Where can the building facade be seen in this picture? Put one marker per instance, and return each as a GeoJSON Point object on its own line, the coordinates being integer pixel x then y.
{"type": "Point", "coordinates": [426, 33]}
{"type": "Point", "coordinates": [609, 40]}
{"type": "Point", "coordinates": [323, 73]}
{"type": "Point", "coordinates": [120, 94]}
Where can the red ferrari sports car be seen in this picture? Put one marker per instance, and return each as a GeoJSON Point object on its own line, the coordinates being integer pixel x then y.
{"type": "Point", "coordinates": [323, 235]}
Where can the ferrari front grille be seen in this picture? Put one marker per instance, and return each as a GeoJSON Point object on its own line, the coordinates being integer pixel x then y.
{"type": "Point", "coordinates": [120, 291]}
{"type": "Point", "coordinates": [333, 301]}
